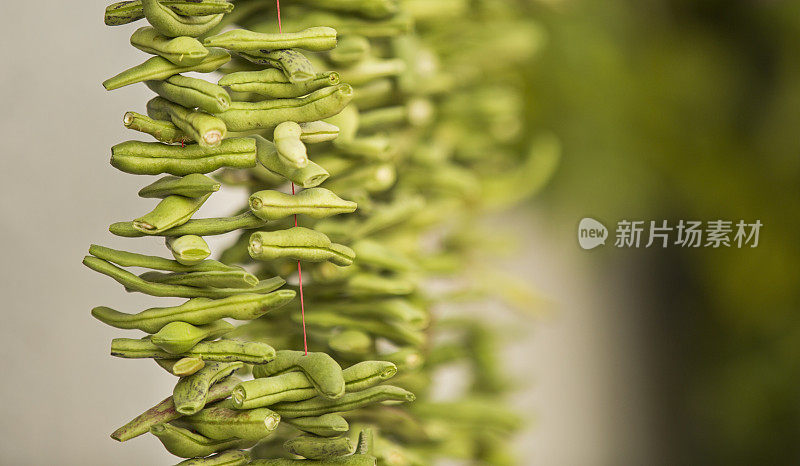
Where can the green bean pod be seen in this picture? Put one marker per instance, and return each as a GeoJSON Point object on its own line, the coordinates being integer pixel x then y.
{"type": "Point", "coordinates": [314, 202]}
{"type": "Point", "coordinates": [307, 177]}
{"type": "Point", "coordinates": [315, 39]}
{"type": "Point", "coordinates": [218, 351]}
{"type": "Point", "coordinates": [318, 448]}
{"type": "Point", "coordinates": [350, 24]}
{"type": "Point", "coordinates": [160, 68]}
{"type": "Point", "coordinates": [199, 227]}
{"type": "Point", "coordinates": [220, 422]}
{"type": "Point", "coordinates": [190, 250]}
{"type": "Point", "coordinates": [192, 393]}
{"type": "Point", "coordinates": [297, 386]}
{"type": "Point", "coordinates": [131, 259]}
{"type": "Point", "coordinates": [187, 444]}
{"type": "Point", "coordinates": [193, 185]}
{"type": "Point", "coordinates": [227, 279]}
{"type": "Point", "coordinates": [196, 311]}
{"type": "Point", "coordinates": [171, 24]}
{"type": "Point", "coordinates": [349, 51]}
{"type": "Point", "coordinates": [180, 337]}
{"type": "Point", "coordinates": [181, 367]}
{"type": "Point", "coordinates": [192, 92]}
{"type": "Point", "coordinates": [161, 130]}
{"type": "Point", "coordinates": [298, 243]}
{"type": "Point", "coordinates": [182, 51]}
{"type": "Point", "coordinates": [394, 331]}
{"type": "Point", "coordinates": [291, 150]}
{"type": "Point", "coordinates": [273, 83]}
{"type": "Point", "coordinates": [373, 9]}
{"type": "Point", "coordinates": [292, 63]}
{"type": "Point", "coordinates": [313, 132]}
{"type": "Point", "coordinates": [353, 344]}
{"type": "Point", "coordinates": [131, 282]}
{"type": "Point", "coordinates": [153, 158]}
{"type": "Point", "coordinates": [225, 458]}
{"type": "Point", "coordinates": [327, 425]}
{"type": "Point", "coordinates": [388, 309]}
{"type": "Point", "coordinates": [372, 178]}
{"type": "Point", "coordinates": [172, 211]}
{"type": "Point", "coordinates": [204, 128]}
{"type": "Point", "coordinates": [165, 411]}
{"type": "Point", "coordinates": [129, 11]}
{"type": "Point", "coordinates": [320, 104]}
{"type": "Point", "coordinates": [369, 147]}
{"type": "Point", "coordinates": [374, 254]}
{"type": "Point", "coordinates": [319, 405]}
{"type": "Point", "coordinates": [322, 371]}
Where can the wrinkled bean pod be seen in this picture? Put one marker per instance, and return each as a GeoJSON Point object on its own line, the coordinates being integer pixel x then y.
{"type": "Point", "coordinates": [197, 311]}
{"type": "Point", "coordinates": [171, 24]}
{"type": "Point", "coordinates": [132, 259]}
{"type": "Point", "coordinates": [131, 10]}
{"type": "Point", "coordinates": [298, 243]}
{"type": "Point", "coordinates": [319, 405]}
{"type": "Point", "coordinates": [161, 130]}
{"type": "Point", "coordinates": [307, 177]}
{"type": "Point", "coordinates": [180, 337]}
{"type": "Point", "coordinates": [315, 39]}
{"type": "Point", "coordinates": [322, 371]}
{"type": "Point", "coordinates": [187, 444]}
{"type": "Point", "coordinates": [182, 51]}
{"type": "Point", "coordinates": [318, 448]}
{"type": "Point", "coordinates": [193, 185]}
{"type": "Point", "coordinates": [228, 279]}
{"type": "Point", "coordinates": [172, 211]}
{"type": "Point", "coordinates": [266, 115]}
{"type": "Point", "coordinates": [153, 158]}
{"type": "Point", "coordinates": [352, 460]}
{"type": "Point", "coordinates": [219, 351]}
{"type": "Point", "coordinates": [294, 64]}
{"type": "Point", "coordinates": [160, 68]}
{"type": "Point", "coordinates": [314, 202]}
{"type": "Point", "coordinates": [220, 422]}
{"type": "Point", "coordinates": [273, 83]}
{"type": "Point", "coordinates": [327, 425]}
{"type": "Point", "coordinates": [204, 128]}
{"type": "Point", "coordinates": [192, 92]}
{"type": "Point", "coordinates": [192, 393]}
{"type": "Point", "coordinates": [225, 458]}
{"type": "Point", "coordinates": [189, 250]}
{"type": "Point", "coordinates": [199, 227]}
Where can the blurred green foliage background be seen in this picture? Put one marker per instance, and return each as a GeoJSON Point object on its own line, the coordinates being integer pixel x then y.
{"type": "Point", "coordinates": [682, 109]}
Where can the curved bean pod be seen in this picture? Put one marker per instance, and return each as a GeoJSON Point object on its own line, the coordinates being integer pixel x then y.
{"type": "Point", "coordinates": [187, 444]}
{"type": "Point", "coordinates": [164, 131]}
{"type": "Point", "coordinates": [294, 64]}
{"type": "Point", "coordinates": [322, 371]}
{"type": "Point", "coordinates": [131, 10]}
{"type": "Point", "coordinates": [132, 259]}
{"type": "Point", "coordinates": [171, 24]}
{"type": "Point", "coordinates": [172, 211]}
{"type": "Point", "coordinates": [204, 128]}
{"type": "Point", "coordinates": [318, 448]}
{"type": "Point", "coordinates": [192, 185]}
{"type": "Point", "coordinates": [314, 202]}
{"type": "Point", "coordinates": [353, 344]}
{"type": "Point", "coordinates": [274, 83]}
{"type": "Point", "coordinates": [296, 386]}
{"type": "Point", "coordinates": [180, 337]}
{"type": "Point", "coordinates": [131, 282]}
{"type": "Point", "coordinates": [182, 51]}
{"type": "Point", "coordinates": [320, 104]}
{"type": "Point", "coordinates": [225, 458]}
{"type": "Point", "coordinates": [227, 279]}
{"type": "Point", "coordinates": [192, 92]}
{"type": "Point", "coordinates": [165, 411]}
{"type": "Point", "coordinates": [153, 158]}
{"type": "Point", "coordinates": [315, 39]}
{"type": "Point", "coordinates": [219, 351]}
{"type": "Point", "coordinates": [199, 227]}
{"type": "Point", "coordinates": [308, 177]}
{"type": "Point", "coordinates": [298, 243]}
{"type": "Point", "coordinates": [351, 460]}
{"type": "Point", "coordinates": [220, 422]}
{"type": "Point", "coordinates": [196, 311]}
{"type": "Point", "coordinates": [181, 367]}
{"type": "Point", "coordinates": [327, 425]}
{"type": "Point", "coordinates": [160, 68]}
{"type": "Point", "coordinates": [319, 405]}
{"type": "Point", "coordinates": [192, 393]}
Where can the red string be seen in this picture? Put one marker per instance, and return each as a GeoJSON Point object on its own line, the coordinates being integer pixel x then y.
{"type": "Point", "coordinates": [299, 270]}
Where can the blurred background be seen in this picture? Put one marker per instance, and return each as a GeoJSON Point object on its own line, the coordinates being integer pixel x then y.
{"type": "Point", "coordinates": [665, 109]}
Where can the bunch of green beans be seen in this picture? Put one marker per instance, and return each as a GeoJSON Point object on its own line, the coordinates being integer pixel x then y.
{"type": "Point", "coordinates": [420, 131]}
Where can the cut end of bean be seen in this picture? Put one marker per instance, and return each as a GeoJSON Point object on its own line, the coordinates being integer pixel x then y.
{"type": "Point", "coordinates": [144, 227]}
{"type": "Point", "coordinates": [271, 422]}
{"type": "Point", "coordinates": [213, 138]}
{"type": "Point", "coordinates": [127, 119]}
{"type": "Point", "coordinates": [237, 396]}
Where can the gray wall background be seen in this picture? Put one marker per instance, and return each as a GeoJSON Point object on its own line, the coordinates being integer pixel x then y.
{"type": "Point", "coordinates": [62, 394]}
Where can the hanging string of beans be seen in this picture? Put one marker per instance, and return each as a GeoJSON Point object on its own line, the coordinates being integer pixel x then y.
{"type": "Point", "coordinates": [399, 141]}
